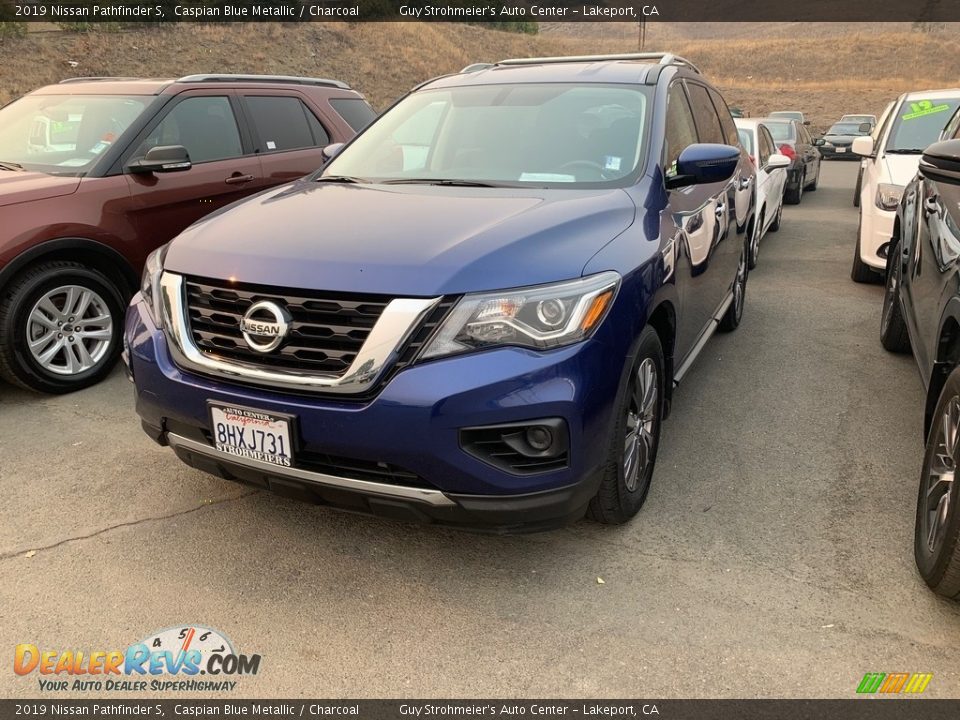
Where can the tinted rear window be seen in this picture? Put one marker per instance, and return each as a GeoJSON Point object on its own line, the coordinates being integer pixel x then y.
{"type": "Point", "coordinates": [282, 123]}
{"type": "Point", "coordinates": [355, 111]}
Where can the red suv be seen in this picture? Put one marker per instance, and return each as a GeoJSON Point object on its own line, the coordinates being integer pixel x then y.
{"type": "Point", "coordinates": [95, 173]}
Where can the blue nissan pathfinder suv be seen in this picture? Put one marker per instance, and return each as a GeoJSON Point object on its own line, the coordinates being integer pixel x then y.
{"type": "Point", "coordinates": [475, 313]}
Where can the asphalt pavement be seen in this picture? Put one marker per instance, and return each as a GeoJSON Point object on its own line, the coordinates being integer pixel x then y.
{"type": "Point", "coordinates": [772, 559]}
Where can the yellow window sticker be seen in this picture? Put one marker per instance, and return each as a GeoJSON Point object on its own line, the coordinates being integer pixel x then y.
{"type": "Point", "coordinates": [924, 107]}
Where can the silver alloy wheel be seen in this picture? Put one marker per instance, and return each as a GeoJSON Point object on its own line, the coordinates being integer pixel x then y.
{"type": "Point", "coordinates": [69, 330]}
{"type": "Point", "coordinates": [739, 285]}
{"type": "Point", "coordinates": [755, 241]}
{"type": "Point", "coordinates": [890, 295]}
{"type": "Point", "coordinates": [939, 476]}
{"type": "Point", "coordinates": [638, 444]}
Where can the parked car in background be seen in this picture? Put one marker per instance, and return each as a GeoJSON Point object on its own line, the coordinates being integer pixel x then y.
{"type": "Point", "coordinates": [916, 121]}
{"type": "Point", "coordinates": [771, 180]}
{"type": "Point", "coordinates": [515, 304]}
{"type": "Point", "coordinates": [921, 310]}
{"type": "Point", "coordinates": [96, 173]}
{"type": "Point", "coordinates": [874, 133]}
{"type": "Point", "coordinates": [836, 141]}
{"type": "Point", "coordinates": [738, 112]}
{"type": "Point", "coordinates": [793, 140]}
{"type": "Point", "coordinates": [871, 119]}
{"type": "Point", "coordinates": [789, 115]}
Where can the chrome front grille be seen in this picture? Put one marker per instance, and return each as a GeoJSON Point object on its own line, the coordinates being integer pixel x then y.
{"type": "Point", "coordinates": [326, 333]}
{"type": "Point", "coordinates": [340, 343]}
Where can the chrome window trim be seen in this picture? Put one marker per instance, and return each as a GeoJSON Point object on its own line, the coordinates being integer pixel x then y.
{"type": "Point", "coordinates": [367, 487]}
{"type": "Point", "coordinates": [399, 320]}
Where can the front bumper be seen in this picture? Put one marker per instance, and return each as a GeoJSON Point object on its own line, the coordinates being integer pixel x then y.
{"type": "Point", "coordinates": [876, 229]}
{"type": "Point", "coordinates": [414, 423]}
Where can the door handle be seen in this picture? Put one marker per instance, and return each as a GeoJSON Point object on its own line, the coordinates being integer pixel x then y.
{"type": "Point", "coordinates": [930, 206]}
{"type": "Point", "coordinates": [238, 179]}
{"type": "Point", "coordinates": [721, 208]}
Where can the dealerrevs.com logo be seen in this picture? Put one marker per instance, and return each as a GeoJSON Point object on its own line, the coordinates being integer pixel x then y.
{"type": "Point", "coordinates": [187, 658]}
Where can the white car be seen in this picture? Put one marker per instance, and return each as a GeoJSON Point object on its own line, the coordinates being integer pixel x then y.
{"type": "Point", "coordinates": [892, 157]}
{"type": "Point", "coordinates": [771, 179]}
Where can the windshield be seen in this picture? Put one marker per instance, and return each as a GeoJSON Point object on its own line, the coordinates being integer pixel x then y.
{"type": "Point", "coordinates": [63, 134]}
{"type": "Point", "coordinates": [851, 128]}
{"type": "Point", "coordinates": [507, 135]}
{"type": "Point", "coordinates": [918, 123]}
{"type": "Point", "coordinates": [781, 130]}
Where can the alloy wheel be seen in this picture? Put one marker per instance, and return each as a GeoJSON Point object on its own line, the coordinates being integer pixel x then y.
{"type": "Point", "coordinates": [69, 330]}
{"type": "Point", "coordinates": [639, 443]}
{"type": "Point", "coordinates": [740, 285]}
{"type": "Point", "coordinates": [939, 477]}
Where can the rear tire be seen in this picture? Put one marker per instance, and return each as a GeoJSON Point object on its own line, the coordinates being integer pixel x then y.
{"type": "Point", "coordinates": [775, 225]}
{"type": "Point", "coordinates": [893, 329]}
{"type": "Point", "coordinates": [936, 543]}
{"type": "Point", "coordinates": [39, 355]}
{"type": "Point", "coordinates": [636, 437]}
{"type": "Point", "coordinates": [795, 195]}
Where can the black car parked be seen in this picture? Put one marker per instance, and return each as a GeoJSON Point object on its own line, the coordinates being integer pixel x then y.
{"type": "Point", "coordinates": [921, 310]}
{"type": "Point", "coordinates": [793, 140]}
{"type": "Point", "coordinates": [836, 141]}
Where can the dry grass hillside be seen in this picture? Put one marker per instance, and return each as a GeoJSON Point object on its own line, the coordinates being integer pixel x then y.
{"type": "Point", "coordinates": [824, 72]}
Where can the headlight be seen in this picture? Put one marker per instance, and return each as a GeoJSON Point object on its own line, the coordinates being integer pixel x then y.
{"type": "Point", "coordinates": [150, 282]}
{"type": "Point", "coordinates": [827, 144]}
{"type": "Point", "coordinates": [888, 196]}
{"type": "Point", "coordinates": [546, 316]}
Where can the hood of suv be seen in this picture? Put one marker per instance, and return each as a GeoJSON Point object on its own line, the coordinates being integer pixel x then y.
{"type": "Point", "coordinates": [25, 186]}
{"type": "Point", "coordinates": [414, 240]}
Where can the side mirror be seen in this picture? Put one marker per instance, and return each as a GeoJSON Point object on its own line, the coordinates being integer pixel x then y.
{"type": "Point", "coordinates": [865, 128]}
{"type": "Point", "coordinates": [777, 161]}
{"type": "Point", "coordinates": [819, 142]}
{"type": "Point", "coordinates": [704, 163]}
{"type": "Point", "coordinates": [942, 159]}
{"type": "Point", "coordinates": [162, 159]}
{"type": "Point", "coordinates": [863, 145]}
{"type": "Point", "coordinates": [806, 122]}
{"type": "Point", "coordinates": [331, 151]}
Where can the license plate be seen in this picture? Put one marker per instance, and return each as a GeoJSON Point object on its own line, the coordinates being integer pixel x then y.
{"type": "Point", "coordinates": [840, 150]}
{"type": "Point", "coordinates": [254, 434]}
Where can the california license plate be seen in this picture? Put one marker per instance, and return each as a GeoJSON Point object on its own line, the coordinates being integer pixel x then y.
{"type": "Point", "coordinates": [254, 434]}
{"type": "Point", "coordinates": [840, 150]}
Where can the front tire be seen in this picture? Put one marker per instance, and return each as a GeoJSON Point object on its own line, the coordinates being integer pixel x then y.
{"type": "Point", "coordinates": [755, 241]}
{"type": "Point", "coordinates": [60, 328]}
{"type": "Point", "coordinates": [856, 190]}
{"type": "Point", "coordinates": [733, 316]}
{"type": "Point", "coordinates": [861, 272]}
{"type": "Point", "coordinates": [893, 329]}
{"type": "Point", "coordinates": [937, 530]}
{"type": "Point", "coordinates": [636, 437]}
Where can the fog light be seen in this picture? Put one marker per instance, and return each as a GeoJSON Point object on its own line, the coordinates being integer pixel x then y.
{"type": "Point", "coordinates": [539, 438]}
{"type": "Point", "coordinates": [883, 250]}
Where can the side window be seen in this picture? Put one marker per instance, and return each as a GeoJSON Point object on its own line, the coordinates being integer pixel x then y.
{"type": "Point", "coordinates": [285, 123]}
{"type": "Point", "coordinates": [681, 130]}
{"type": "Point", "coordinates": [726, 119]}
{"type": "Point", "coordinates": [708, 123]}
{"type": "Point", "coordinates": [205, 126]}
{"type": "Point", "coordinates": [355, 111]}
{"type": "Point", "coordinates": [766, 146]}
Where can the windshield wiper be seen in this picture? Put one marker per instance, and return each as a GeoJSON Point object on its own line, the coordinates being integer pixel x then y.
{"type": "Point", "coordinates": [340, 179]}
{"type": "Point", "coordinates": [6, 165]}
{"type": "Point", "coordinates": [905, 151]}
{"type": "Point", "coordinates": [440, 181]}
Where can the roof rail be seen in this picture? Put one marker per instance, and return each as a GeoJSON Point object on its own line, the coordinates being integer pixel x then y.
{"type": "Point", "coordinates": [661, 58]}
{"type": "Point", "coordinates": [476, 67]}
{"type": "Point", "coordinates": [293, 80]}
{"type": "Point", "coordinates": [66, 81]}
